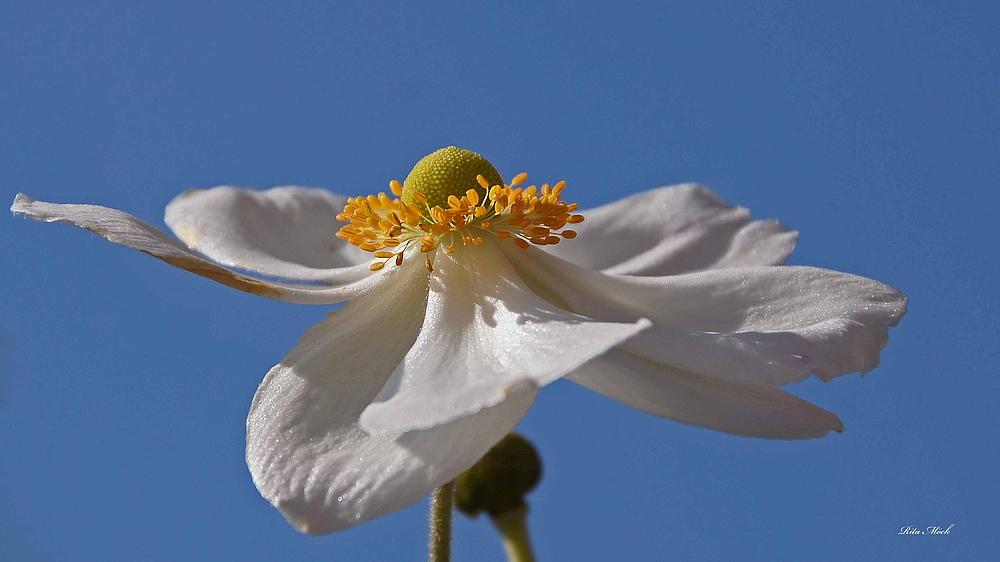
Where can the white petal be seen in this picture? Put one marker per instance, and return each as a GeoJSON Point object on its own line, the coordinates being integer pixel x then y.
{"type": "Point", "coordinates": [740, 409]}
{"type": "Point", "coordinates": [122, 228]}
{"type": "Point", "coordinates": [484, 334]}
{"type": "Point", "coordinates": [760, 325]}
{"type": "Point", "coordinates": [288, 232]}
{"type": "Point", "coordinates": [305, 450]}
{"type": "Point", "coordinates": [671, 230]}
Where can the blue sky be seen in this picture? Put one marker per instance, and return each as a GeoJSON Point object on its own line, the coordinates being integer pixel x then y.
{"type": "Point", "coordinates": [872, 128]}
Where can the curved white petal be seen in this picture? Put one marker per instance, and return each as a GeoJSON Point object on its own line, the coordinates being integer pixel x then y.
{"type": "Point", "coordinates": [672, 230]}
{"type": "Point", "coordinates": [739, 409]}
{"type": "Point", "coordinates": [758, 325]}
{"type": "Point", "coordinates": [288, 232]}
{"type": "Point", "coordinates": [122, 228]}
{"type": "Point", "coordinates": [484, 334]}
{"type": "Point", "coordinates": [827, 348]}
{"type": "Point", "coordinates": [305, 450]}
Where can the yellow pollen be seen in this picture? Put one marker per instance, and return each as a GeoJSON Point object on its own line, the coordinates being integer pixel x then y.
{"type": "Point", "coordinates": [455, 191]}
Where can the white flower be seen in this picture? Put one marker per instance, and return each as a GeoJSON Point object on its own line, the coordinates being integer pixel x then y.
{"type": "Point", "coordinates": [669, 301]}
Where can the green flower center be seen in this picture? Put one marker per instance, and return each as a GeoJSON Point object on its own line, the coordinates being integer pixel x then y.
{"type": "Point", "coordinates": [448, 171]}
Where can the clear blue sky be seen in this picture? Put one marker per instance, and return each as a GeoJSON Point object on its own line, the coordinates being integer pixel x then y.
{"type": "Point", "coordinates": [872, 128]}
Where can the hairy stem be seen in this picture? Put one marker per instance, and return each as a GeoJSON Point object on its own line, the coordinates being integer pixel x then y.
{"type": "Point", "coordinates": [439, 541]}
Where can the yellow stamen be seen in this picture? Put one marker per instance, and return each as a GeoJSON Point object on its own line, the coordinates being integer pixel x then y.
{"type": "Point", "coordinates": [387, 226]}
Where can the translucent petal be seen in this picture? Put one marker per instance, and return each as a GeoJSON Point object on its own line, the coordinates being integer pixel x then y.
{"type": "Point", "coordinates": [305, 450]}
{"type": "Point", "coordinates": [757, 325]}
{"type": "Point", "coordinates": [739, 409]}
{"type": "Point", "coordinates": [671, 230]}
{"type": "Point", "coordinates": [484, 334]}
{"type": "Point", "coordinates": [122, 228]}
{"type": "Point", "coordinates": [288, 232]}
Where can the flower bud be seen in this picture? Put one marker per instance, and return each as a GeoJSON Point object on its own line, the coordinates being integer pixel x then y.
{"type": "Point", "coordinates": [500, 480]}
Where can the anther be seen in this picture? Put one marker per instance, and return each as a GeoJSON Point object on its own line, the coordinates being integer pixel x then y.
{"type": "Point", "coordinates": [455, 191]}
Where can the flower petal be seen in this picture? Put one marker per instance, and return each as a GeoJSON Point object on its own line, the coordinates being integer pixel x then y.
{"type": "Point", "coordinates": [122, 228]}
{"type": "Point", "coordinates": [305, 450]}
{"type": "Point", "coordinates": [739, 409]}
{"type": "Point", "coordinates": [758, 325]}
{"type": "Point", "coordinates": [484, 334]}
{"type": "Point", "coordinates": [288, 232]}
{"type": "Point", "coordinates": [672, 230]}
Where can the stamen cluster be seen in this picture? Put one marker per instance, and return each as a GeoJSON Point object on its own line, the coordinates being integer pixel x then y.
{"type": "Point", "coordinates": [388, 226]}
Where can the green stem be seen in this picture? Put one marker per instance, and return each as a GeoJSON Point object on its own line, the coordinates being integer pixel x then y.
{"type": "Point", "coordinates": [439, 542]}
{"type": "Point", "coordinates": [513, 527]}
